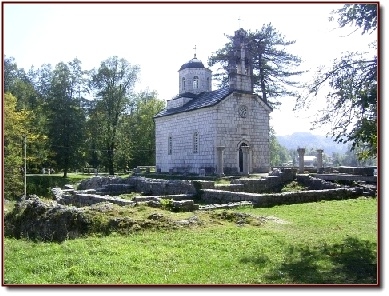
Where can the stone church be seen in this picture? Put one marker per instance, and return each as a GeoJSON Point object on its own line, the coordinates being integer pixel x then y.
{"type": "Point", "coordinates": [225, 131]}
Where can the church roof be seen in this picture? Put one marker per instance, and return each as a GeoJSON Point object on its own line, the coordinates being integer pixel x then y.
{"type": "Point", "coordinates": [202, 100]}
{"type": "Point", "coordinates": [193, 63]}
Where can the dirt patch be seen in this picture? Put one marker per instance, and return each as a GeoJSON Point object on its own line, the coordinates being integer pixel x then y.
{"type": "Point", "coordinates": [276, 220]}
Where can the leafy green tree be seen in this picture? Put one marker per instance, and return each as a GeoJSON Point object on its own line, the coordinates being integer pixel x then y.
{"type": "Point", "coordinates": [113, 85]}
{"type": "Point", "coordinates": [273, 67]}
{"type": "Point", "coordinates": [93, 139]}
{"type": "Point", "coordinates": [137, 140]}
{"type": "Point", "coordinates": [278, 154]}
{"type": "Point", "coordinates": [22, 86]}
{"type": "Point", "coordinates": [14, 125]}
{"type": "Point", "coordinates": [351, 104]}
{"type": "Point", "coordinates": [10, 71]}
{"type": "Point", "coordinates": [66, 117]}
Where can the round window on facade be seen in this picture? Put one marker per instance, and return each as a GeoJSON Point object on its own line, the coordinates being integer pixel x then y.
{"type": "Point", "coordinates": [243, 111]}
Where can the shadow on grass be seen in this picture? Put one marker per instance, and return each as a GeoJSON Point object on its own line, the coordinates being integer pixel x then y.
{"type": "Point", "coordinates": [352, 262]}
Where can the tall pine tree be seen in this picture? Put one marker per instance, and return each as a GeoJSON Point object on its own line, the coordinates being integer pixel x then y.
{"type": "Point", "coordinates": [274, 69]}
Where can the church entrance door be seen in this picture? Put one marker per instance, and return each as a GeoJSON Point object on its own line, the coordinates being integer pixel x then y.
{"type": "Point", "coordinates": [241, 157]}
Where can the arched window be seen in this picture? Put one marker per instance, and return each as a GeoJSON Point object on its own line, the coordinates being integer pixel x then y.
{"type": "Point", "coordinates": [195, 82]}
{"type": "Point", "coordinates": [183, 83]}
{"type": "Point", "coordinates": [196, 142]}
{"type": "Point", "coordinates": [170, 145]}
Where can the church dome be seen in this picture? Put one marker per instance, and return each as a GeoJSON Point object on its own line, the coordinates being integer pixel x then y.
{"type": "Point", "coordinates": [193, 63]}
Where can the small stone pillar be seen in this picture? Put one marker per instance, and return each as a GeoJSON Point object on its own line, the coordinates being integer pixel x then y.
{"type": "Point", "coordinates": [319, 160]}
{"type": "Point", "coordinates": [301, 152]}
{"type": "Point", "coordinates": [245, 151]}
{"type": "Point", "coordinates": [220, 160]}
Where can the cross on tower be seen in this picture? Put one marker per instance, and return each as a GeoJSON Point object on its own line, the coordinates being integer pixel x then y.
{"type": "Point", "coordinates": [239, 19]}
{"type": "Point", "coordinates": [195, 51]}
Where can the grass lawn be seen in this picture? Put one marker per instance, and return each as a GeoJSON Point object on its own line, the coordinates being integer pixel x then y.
{"type": "Point", "coordinates": [329, 242]}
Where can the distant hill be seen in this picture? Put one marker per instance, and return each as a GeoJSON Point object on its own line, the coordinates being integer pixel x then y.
{"type": "Point", "coordinates": [307, 140]}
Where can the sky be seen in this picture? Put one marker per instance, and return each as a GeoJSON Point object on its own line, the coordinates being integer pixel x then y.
{"type": "Point", "coordinates": [161, 37]}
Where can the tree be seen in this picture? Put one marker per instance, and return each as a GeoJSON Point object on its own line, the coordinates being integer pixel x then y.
{"type": "Point", "coordinates": [113, 85]}
{"type": "Point", "coordinates": [66, 117]}
{"type": "Point", "coordinates": [278, 154]}
{"type": "Point", "coordinates": [351, 104]}
{"type": "Point", "coordinates": [22, 86]}
{"type": "Point", "coordinates": [273, 67]}
{"type": "Point", "coordinates": [93, 138]}
{"type": "Point", "coordinates": [14, 124]}
{"type": "Point", "coordinates": [10, 74]}
{"type": "Point", "coordinates": [137, 140]}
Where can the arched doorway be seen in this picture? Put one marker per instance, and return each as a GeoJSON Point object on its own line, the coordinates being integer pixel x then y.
{"type": "Point", "coordinates": [241, 157]}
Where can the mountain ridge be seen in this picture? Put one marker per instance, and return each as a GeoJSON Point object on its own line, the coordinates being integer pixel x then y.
{"type": "Point", "coordinates": [310, 141]}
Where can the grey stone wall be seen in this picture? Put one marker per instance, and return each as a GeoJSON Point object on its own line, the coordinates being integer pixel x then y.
{"type": "Point", "coordinates": [205, 80]}
{"type": "Point", "coordinates": [240, 82]}
{"type": "Point", "coordinates": [362, 171]}
{"type": "Point", "coordinates": [185, 191]}
{"type": "Point", "coordinates": [99, 181]}
{"type": "Point", "coordinates": [266, 184]}
{"type": "Point", "coordinates": [181, 127]}
{"type": "Point", "coordinates": [253, 130]}
{"type": "Point", "coordinates": [147, 186]}
{"type": "Point", "coordinates": [315, 183]}
{"type": "Point", "coordinates": [219, 125]}
{"type": "Point", "coordinates": [213, 196]}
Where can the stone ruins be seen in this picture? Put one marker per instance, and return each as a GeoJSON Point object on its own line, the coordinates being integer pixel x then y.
{"type": "Point", "coordinates": [190, 195]}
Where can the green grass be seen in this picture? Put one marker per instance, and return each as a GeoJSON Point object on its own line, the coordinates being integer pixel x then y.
{"type": "Point", "coordinates": [293, 186]}
{"type": "Point", "coordinates": [329, 242]}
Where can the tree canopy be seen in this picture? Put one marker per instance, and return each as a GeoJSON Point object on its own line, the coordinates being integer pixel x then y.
{"type": "Point", "coordinates": [274, 69]}
{"type": "Point", "coordinates": [14, 135]}
{"type": "Point", "coordinates": [66, 119]}
{"type": "Point", "coordinates": [113, 84]}
{"type": "Point", "coordinates": [74, 118]}
{"type": "Point", "coordinates": [351, 103]}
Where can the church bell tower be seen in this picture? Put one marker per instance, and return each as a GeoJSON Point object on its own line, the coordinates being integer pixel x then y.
{"type": "Point", "coordinates": [240, 64]}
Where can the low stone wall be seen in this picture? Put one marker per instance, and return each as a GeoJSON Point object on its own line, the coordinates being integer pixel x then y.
{"type": "Point", "coordinates": [257, 191]}
{"type": "Point", "coordinates": [86, 199]}
{"type": "Point", "coordinates": [99, 182]}
{"type": "Point", "coordinates": [213, 196]}
{"type": "Point", "coordinates": [83, 198]}
{"type": "Point", "coordinates": [361, 171]}
{"type": "Point", "coordinates": [315, 183]}
{"type": "Point", "coordinates": [271, 183]}
{"type": "Point", "coordinates": [230, 187]}
{"type": "Point", "coordinates": [161, 187]}
{"type": "Point", "coordinates": [148, 186]}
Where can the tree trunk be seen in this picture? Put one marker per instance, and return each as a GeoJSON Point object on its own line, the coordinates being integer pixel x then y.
{"type": "Point", "coordinates": [65, 173]}
{"type": "Point", "coordinates": [110, 162]}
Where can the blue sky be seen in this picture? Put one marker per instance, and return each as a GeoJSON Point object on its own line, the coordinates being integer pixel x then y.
{"type": "Point", "coordinates": [161, 37]}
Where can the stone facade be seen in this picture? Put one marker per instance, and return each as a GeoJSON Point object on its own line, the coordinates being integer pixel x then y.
{"type": "Point", "coordinates": [196, 124]}
{"type": "Point", "coordinates": [219, 125]}
{"type": "Point", "coordinates": [181, 129]}
{"type": "Point", "coordinates": [189, 83]}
